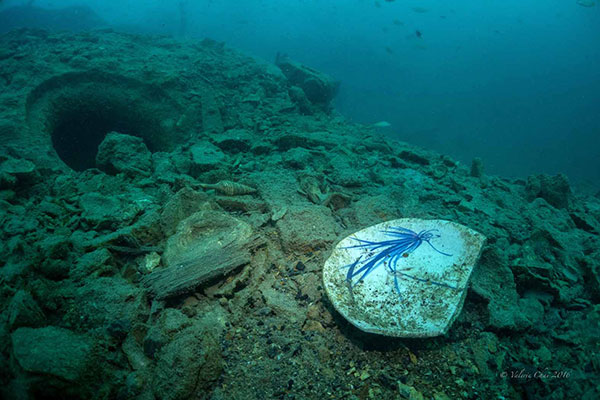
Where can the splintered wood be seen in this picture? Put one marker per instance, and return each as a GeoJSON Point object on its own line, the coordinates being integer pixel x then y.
{"type": "Point", "coordinates": [207, 246]}
{"type": "Point", "coordinates": [186, 276]}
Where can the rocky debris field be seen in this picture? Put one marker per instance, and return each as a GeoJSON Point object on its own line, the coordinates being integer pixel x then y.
{"type": "Point", "coordinates": [167, 208]}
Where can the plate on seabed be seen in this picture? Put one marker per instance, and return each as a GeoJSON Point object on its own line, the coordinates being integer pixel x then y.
{"type": "Point", "coordinates": [403, 278]}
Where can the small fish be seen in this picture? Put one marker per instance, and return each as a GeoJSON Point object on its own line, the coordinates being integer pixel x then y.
{"type": "Point", "coordinates": [586, 3]}
{"type": "Point", "coordinates": [381, 124]}
{"type": "Point", "coordinates": [418, 34]}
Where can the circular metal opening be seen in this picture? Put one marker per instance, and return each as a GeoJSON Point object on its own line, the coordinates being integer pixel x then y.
{"type": "Point", "coordinates": [77, 110]}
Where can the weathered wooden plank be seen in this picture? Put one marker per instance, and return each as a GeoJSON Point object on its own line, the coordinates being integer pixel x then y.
{"type": "Point", "coordinates": [188, 275]}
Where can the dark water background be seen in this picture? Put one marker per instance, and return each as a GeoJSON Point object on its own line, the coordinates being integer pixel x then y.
{"type": "Point", "coordinates": [515, 83]}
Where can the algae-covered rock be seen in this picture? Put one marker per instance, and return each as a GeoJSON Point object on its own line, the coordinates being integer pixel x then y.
{"type": "Point", "coordinates": [344, 174]}
{"type": "Point", "coordinates": [95, 263]}
{"type": "Point", "coordinates": [119, 153]}
{"type": "Point", "coordinates": [180, 206]}
{"type": "Point", "coordinates": [187, 366]}
{"type": "Point", "coordinates": [14, 172]}
{"type": "Point", "coordinates": [318, 87]}
{"type": "Point", "coordinates": [554, 189]}
{"type": "Point", "coordinates": [306, 228]}
{"type": "Point", "coordinates": [100, 301]}
{"type": "Point", "coordinates": [205, 156]}
{"type": "Point", "coordinates": [52, 351]}
{"type": "Point", "coordinates": [234, 140]}
{"type": "Point", "coordinates": [23, 311]}
{"type": "Point", "coordinates": [297, 158]}
{"type": "Point", "coordinates": [477, 168]}
{"type": "Point", "coordinates": [105, 211]}
{"type": "Point", "coordinates": [17, 167]}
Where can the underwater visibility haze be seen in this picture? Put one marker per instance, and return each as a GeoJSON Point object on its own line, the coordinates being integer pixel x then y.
{"type": "Point", "coordinates": [300, 199]}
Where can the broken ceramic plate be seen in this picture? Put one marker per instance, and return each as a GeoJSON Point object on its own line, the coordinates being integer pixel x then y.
{"type": "Point", "coordinates": [404, 278]}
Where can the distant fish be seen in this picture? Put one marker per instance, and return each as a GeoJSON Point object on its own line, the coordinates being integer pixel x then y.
{"type": "Point", "coordinates": [586, 3]}
{"type": "Point", "coordinates": [397, 22]}
{"type": "Point", "coordinates": [420, 10]}
{"type": "Point", "coordinates": [418, 34]}
{"type": "Point", "coordinates": [381, 124]}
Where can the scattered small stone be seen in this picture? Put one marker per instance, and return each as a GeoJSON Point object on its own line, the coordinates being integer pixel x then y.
{"type": "Point", "coordinates": [149, 262]}
{"type": "Point", "coordinates": [409, 392]}
{"type": "Point", "coordinates": [272, 351]}
{"type": "Point", "coordinates": [314, 326]}
{"type": "Point", "coordinates": [278, 214]}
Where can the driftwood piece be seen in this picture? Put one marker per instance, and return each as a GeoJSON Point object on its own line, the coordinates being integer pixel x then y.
{"type": "Point", "coordinates": [206, 245]}
{"type": "Point", "coordinates": [187, 276]}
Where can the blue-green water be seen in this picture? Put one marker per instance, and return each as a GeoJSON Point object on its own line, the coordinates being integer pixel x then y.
{"type": "Point", "coordinates": [299, 200]}
{"type": "Point", "coordinates": [515, 84]}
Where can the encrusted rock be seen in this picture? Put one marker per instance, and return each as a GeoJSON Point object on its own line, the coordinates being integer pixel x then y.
{"type": "Point", "coordinates": [183, 204]}
{"type": "Point", "coordinates": [187, 365]}
{"type": "Point", "coordinates": [96, 263]}
{"type": "Point", "coordinates": [297, 158]}
{"type": "Point", "coordinates": [104, 211]}
{"type": "Point", "coordinates": [119, 153]}
{"type": "Point", "coordinates": [307, 228]}
{"type": "Point", "coordinates": [205, 156]}
{"type": "Point", "coordinates": [318, 87]}
{"type": "Point", "coordinates": [477, 168]}
{"type": "Point", "coordinates": [234, 140]}
{"type": "Point", "coordinates": [17, 167]}
{"type": "Point", "coordinates": [23, 311]}
{"type": "Point", "coordinates": [52, 351]}
{"type": "Point", "coordinates": [101, 301]}
{"type": "Point", "coordinates": [554, 189]}
{"type": "Point", "coordinates": [14, 172]}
